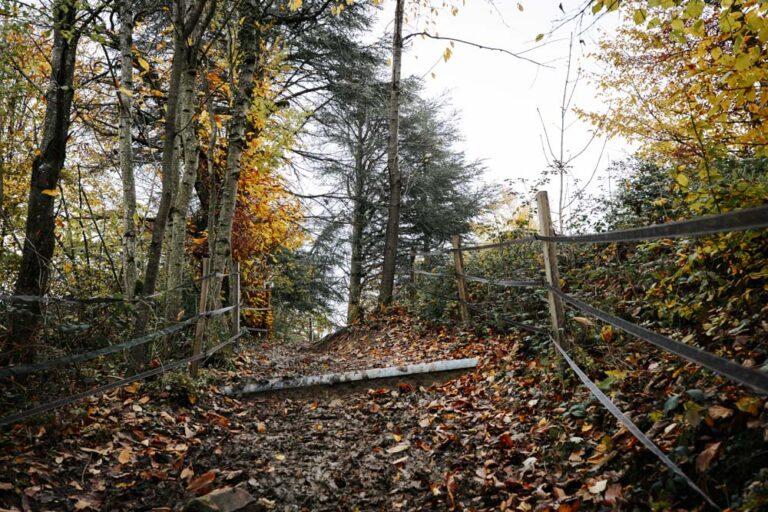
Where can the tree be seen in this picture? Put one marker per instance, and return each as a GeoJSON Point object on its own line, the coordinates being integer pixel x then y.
{"type": "Point", "coordinates": [350, 155]}
{"type": "Point", "coordinates": [686, 82]}
{"type": "Point", "coordinates": [393, 171]}
{"type": "Point", "coordinates": [39, 237]}
{"type": "Point", "coordinates": [125, 100]}
{"type": "Point", "coordinates": [190, 21]}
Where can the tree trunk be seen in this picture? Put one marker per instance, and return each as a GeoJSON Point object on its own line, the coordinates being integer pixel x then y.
{"type": "Point", "coordinates": [243, 95]}
{"type": "Point", "coordinates": [138, 354]}
{"type": "Point", "coordinates": [183, 195]}
{"type": "Point", "coordinates": [354, 309]}
{"type": "Point", "coordinates": [395, 179]}
{"type": "Point", "coordinates": [168, 168]}
{"type": "Point", "coordinates": [125, 105]}
{"type": "Point", "coordinates": [39, 239]}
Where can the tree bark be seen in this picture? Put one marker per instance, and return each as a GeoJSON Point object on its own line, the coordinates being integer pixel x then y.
{"type": "Point", "coordinates": [39, 239]}
{"type": "Point", "coordinates": [393, 169]}
{"type": "Point", "coordinates": [125, 105]}
{"type": "Point", "coordinates": [189, 24]}
{"type": "Point", "coordinates": [354, 308]}
{"type": "Point", "coordinates": [243, 96]}
{"type": "Point", "coordinates": [168, 168]}
{"type": "Point", "coordinates": [189, 144]}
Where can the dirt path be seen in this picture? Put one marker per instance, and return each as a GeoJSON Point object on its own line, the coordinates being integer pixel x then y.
{"type": "Point", "coordinates": [509, 435]}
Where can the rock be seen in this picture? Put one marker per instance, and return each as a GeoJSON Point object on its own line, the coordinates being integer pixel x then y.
{"type": "Point", "coordinates": [226, 499]}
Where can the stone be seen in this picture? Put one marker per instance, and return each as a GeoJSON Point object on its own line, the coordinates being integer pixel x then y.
{"type": "Point", "coordinates": [226, 499]}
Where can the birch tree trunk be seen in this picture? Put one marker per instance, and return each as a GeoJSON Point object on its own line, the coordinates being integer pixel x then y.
{"type": "Point", "coordinates": [125, 105]}
{"type": "Point", "coordinates": [178, 231]}
{"type": "Point", "coordinates": [354, 309]}
{"type": "Point", "coordinates": [243, 95]}
{"type": "Point", "coordinates": [39, 236]}
{"type": "Point", "coordinates": [190, 21]}
{"type": "Point", "coordinates": [393, 169]}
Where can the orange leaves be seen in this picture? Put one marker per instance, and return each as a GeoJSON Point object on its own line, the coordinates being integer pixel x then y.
{"type": "Point", "coordinates": [506, 440]}
{"type": "Point", "coordinates": [202, 484]}
{"type": "Point", "coordinates": [606, 334]}
{"type": "Point", "coordinates": [125, 456]}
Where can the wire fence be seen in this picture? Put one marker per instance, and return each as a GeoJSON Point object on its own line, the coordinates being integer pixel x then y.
{"type": "Point", "coordinates": [740, 220]}
{"type": "Point", "coordinates": [199, 353]}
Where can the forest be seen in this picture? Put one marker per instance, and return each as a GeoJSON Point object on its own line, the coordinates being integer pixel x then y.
{"type": "Point", "coordinates": [255, 256]}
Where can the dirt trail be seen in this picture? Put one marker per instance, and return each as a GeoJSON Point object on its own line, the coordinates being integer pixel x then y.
{"type": "Point", "coordinates": [508, 435]}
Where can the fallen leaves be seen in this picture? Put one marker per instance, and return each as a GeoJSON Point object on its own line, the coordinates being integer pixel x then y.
{"type": "Point", "coordinates": [598, 487]}
{"type": "Point", "coordinates": [202, 484]}
{"type": "Point", "coordinates": [398, 448]}
{"type": "Point", "coordinates": [749, 404]}
{"type": "Point", "coordinates": [187, 474]}
{"type": "Point", "coordinates": [506, 440]}
{"type": "Point", "coordinates": [705, 458]}
{"type": "Point", "coordinates": [125, 456]}
{"type": "Point", "coordinates": [508, 432]}
{"type": "Point", "coordinates": [719, 412]}
{"type": "Point", "coordinates": [586, 322]}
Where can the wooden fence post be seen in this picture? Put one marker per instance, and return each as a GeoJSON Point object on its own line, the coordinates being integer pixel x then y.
{"type": "Point", "coordinates": [556, 312]}
{"type": "Point", "coordinates": [197, 344]}
{"type": "Point", "coordinates": [412, 274]}
{"type": "Point", "coordinates": [234, 296]}
{"type": "Point", "coordinates": [269, 314]}
{"type": "Point", "coordinates": [461, 284]}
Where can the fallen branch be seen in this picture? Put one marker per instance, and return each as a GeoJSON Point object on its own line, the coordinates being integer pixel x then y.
{"type": "Point", "coordinates": [352, 376]}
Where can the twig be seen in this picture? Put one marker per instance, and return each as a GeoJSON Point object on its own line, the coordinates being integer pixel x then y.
{"type": "Point", "coordinates": [477, 45]}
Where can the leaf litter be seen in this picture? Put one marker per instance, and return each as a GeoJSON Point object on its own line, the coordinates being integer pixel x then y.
{"type": "Point", "coordinates": [510, 435]}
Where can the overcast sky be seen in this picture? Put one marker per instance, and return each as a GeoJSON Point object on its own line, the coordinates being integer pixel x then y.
{"type": "Point", "coordinates": [498, 95]}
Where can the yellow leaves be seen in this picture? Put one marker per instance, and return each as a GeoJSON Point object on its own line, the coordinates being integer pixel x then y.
{"type": "Point", "coordinates": [143, 64]}
{"type": "Point", "coordinates": [743, 61]}
{"type": "Point", "coordinates": [682, 180]}
{"type": "Point", "coordinates": [749, 404]}
{"type": "Point", "coordinates": [447, 53]}
{"type": "Point", "coordinates": [639, 16]}
{"type": "Point", "coordinates": [294, 5]}
{"type": "Point", "coordinates": [606, 334]}
{"type": "Point", "coordinates": [693, 9]}
{"type": "Point", "coordinates": [51, 192]}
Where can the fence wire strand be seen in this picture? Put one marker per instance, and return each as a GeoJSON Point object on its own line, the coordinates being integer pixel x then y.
{"type": "Point", "coordinates": [55, 404]}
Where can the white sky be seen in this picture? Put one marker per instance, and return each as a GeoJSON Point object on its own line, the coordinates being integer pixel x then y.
{"type": "Point", "coordinates": [498, 95]}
